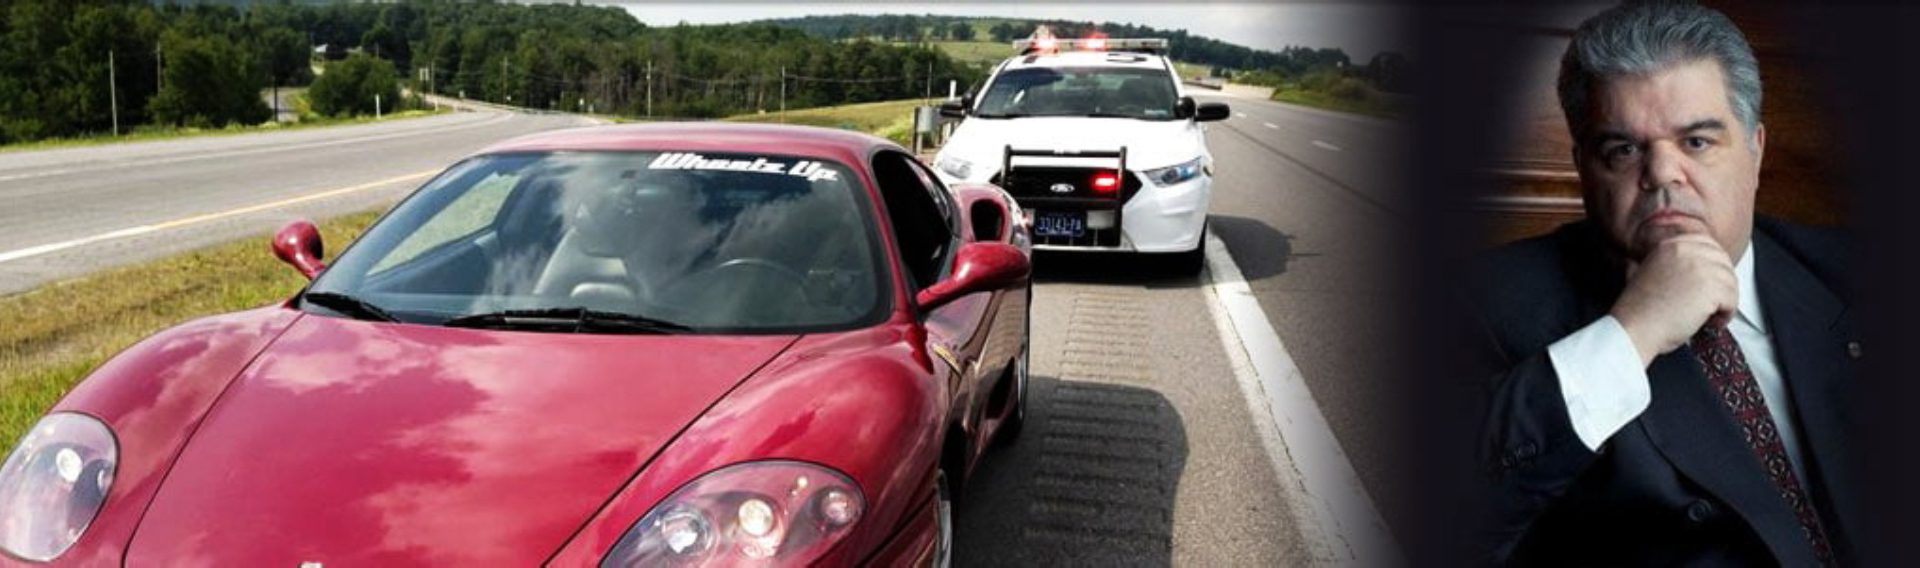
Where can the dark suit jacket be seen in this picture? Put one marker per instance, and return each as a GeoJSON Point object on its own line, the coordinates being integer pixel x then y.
{"type": "Point", "coordinates": [1677, 485]}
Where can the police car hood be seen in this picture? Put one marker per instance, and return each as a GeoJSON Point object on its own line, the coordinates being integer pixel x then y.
{"type": "Point", "coordinates": [1150, 143]}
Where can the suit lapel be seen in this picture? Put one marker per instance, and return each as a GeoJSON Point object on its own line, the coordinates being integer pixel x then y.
{"type": "Point", "coordinates": [1810, 331]}
{"type": "Point", "coordinates": [1693, 429]}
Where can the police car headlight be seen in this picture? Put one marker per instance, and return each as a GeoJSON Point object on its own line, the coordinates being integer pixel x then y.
{"type": "Point", "coordinates": [958, 168]}
{"type": "Point", "coordinates": [1177, 173]}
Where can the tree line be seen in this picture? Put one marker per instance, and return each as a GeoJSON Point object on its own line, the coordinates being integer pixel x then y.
{"type": "Point", "coordinates": [66, 67]}
{"type": "Point", "coordinates": [1385, 71]}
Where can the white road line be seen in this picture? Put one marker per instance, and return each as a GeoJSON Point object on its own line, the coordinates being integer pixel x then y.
{"type": "Point", "coordinates": [1326, 146]}
{"type": "Point", "coordinates": [1339, 522]}
{"type": "Point", "coordinates": [1271, 125]}
{"type": "Point", "coordinates": [34, 251]}
{"type": "Point", "coordinates": [500, 117]}
{"type": "Point", "coordinates": [1240, 114]}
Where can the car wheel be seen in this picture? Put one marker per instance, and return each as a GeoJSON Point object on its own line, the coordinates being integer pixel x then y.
{"type": "Point", "coordinates": [943, 542]}
{"type": "Point", "coordinates": [1022, 378]}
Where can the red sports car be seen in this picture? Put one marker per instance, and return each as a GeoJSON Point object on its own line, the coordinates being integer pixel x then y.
{"type": "Point", "coordinates": [661, 345]}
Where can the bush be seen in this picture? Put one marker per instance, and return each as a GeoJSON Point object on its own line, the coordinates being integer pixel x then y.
{"type": "Point", "coordinates": [348, 87]}
{"type": "Point", "coordinates": [209, 82]}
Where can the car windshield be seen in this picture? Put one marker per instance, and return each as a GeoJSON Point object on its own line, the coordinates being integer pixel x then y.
{"type": "Point", "coordinates": [1120, 92]}
{"type": "Point", "coordinates": [703, 242]}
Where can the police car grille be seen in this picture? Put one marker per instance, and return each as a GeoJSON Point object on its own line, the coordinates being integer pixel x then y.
{"type": "Point", "coordinates": [1039, 183]}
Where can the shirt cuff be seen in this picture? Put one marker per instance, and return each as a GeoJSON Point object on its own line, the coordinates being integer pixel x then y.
{"type": "Point", "coordinates": [1601, 378]}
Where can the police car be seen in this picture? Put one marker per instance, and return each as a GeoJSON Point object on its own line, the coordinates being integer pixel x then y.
{"type": "Point", "coordinates": [1098, 143]}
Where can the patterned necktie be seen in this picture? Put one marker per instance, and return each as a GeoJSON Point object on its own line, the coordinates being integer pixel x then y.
{"type": "Point", "coordinates": [1728, 373]}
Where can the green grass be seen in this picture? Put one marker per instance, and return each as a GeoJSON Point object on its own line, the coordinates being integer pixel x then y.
{"type": "Point", "coordinates": [892, 120]}
{"type": "Point", "coordinates": [54, 335]}
{"type": "Point", "coordinates": [147, 133]}
{"type": "Point", "coordinates": [1375, 105]}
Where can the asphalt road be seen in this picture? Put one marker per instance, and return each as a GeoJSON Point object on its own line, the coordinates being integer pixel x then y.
{"type": "Point", "coordinates": [72, 211]}
{"type": "Point", "coordinates": [1304, 200]}
{"type": "Point", "coordinates": [1142, 450]}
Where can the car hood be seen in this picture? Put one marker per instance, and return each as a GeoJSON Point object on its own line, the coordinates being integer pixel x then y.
{"type": "Point", "coordinates": [356, 443]}
{"type": "Point", "coordinates": [1150, 144]}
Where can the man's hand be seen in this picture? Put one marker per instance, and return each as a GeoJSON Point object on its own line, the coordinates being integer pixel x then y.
{"type": "Point", "coordinates": [1682, 284]}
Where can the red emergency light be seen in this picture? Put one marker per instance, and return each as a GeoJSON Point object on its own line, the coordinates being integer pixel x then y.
{"type": "Point", "coordinates": [1106, 183]}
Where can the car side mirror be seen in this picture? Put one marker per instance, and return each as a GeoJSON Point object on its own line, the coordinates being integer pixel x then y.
{"type": "Point", "coordinates": [954, 109]}
{"type": "Point", "coordinates": [979, 267]}
{"type": "Point", "coordinates": [1184, 109]}
{"type": "Point", "coordinates": [298, 244]}
{"type": "Point", "coordinates": [1209, 112]}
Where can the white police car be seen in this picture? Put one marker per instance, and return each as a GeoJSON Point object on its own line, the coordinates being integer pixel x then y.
{"type": "Point", "coordinates": [1096, 141]}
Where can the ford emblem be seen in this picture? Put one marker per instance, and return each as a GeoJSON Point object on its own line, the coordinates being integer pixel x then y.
{"type": "Point", "coordinates": [1061, 188]}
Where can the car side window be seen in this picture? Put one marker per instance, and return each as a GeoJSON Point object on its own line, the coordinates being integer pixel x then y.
{"type": "Point", "coordinates": [921, 215]}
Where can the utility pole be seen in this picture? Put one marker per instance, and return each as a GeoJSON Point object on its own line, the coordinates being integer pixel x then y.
{"type": "Point", "coordinates": [113, 94]}
{"type": "Point", "coordinates": [783, 93]}
{"type": "Point", "coordinates": [159, 69]}
{"type": "Point", "coordinates": [503, 80]}
{"type": "Point", "coordinates": [649, 88]}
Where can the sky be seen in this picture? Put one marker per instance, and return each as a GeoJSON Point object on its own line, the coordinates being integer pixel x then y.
{"type": "Point", "coordinates": [1359, 29]}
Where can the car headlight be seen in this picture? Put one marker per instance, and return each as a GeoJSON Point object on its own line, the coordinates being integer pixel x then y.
{"type": "Point", "coordinates": [958, 168]}
{"type": "Point", "coordinates": [52, 486]}
{"type": "Point", "coordinates": [1178, 173]}
{"type": "Point", "coordinates": [783, 512]}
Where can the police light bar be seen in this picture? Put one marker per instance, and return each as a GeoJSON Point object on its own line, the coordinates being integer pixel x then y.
{"type": "Point", "coordinates": [1048, 44]}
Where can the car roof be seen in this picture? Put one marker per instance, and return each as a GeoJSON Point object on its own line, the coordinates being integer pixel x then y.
{"type": "Point", "coordinates": [1087, 59]}
{"type": "Point", "coordinates": [843, 146]}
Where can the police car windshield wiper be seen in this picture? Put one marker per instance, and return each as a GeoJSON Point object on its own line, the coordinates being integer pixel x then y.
{"type": "Point", "coordinates": [347, 305]}
{"type": "Point", "coordinates": [572, 320]}
{"type": "Point", "coordinates": [1110, 115]}
{"type": "Point", "coordinates": [999, 114]}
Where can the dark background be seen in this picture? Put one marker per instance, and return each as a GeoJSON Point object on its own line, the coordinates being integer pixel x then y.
{"type": "Point", "coordinates": [1840, 93]}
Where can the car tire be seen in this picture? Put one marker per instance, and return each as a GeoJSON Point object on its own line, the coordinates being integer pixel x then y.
{"type": "Point", "coordinates": [943, 539]}
{"type": "Point", "coordinates": [1022, 381]}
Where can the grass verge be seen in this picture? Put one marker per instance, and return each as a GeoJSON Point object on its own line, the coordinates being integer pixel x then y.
{"type": "Point", "coordinates": [1379, 106]}
{"type": "Point", "coordinates": [54, 335]}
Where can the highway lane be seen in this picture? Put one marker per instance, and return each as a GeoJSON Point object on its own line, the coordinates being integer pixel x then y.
{"type": "Point", "coordinates": [1312, 230]}
{"type": "Point", "coordinates": [1143, 450]}
{"type": "Point", "coordinates": [71, 211]}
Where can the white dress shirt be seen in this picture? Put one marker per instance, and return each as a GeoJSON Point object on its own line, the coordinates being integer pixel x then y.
{"type": "Point", "coordinates": [1606, 387]}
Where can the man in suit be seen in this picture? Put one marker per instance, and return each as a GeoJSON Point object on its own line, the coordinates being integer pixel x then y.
{"type": "Point", "coordinates": [1668, 374]}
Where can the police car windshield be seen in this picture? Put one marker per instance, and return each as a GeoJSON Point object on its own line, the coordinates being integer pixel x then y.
{"type": "Point", "coordinates": [717, 243]}
{"type": "Point", "coordinates": [1118, 92]}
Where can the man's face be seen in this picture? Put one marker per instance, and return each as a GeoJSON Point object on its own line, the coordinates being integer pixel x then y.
{"type": "Point", "coordinates": [1664, 155]}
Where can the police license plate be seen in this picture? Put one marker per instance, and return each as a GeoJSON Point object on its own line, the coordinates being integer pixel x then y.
{"type": "Point", "coordinates": [1060, 223]}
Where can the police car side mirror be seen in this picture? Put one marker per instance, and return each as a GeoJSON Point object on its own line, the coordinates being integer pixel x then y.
{"type": "Point", "coordinates": [1211, 112]}
{"type": "Point", "coordinates": [1184, 109]}
{"type": "Point", "coordinates": [954, 109]}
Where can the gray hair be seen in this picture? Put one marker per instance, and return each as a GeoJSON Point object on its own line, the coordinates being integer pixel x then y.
{"type": "Point", "coordinates": [1640, 38]}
